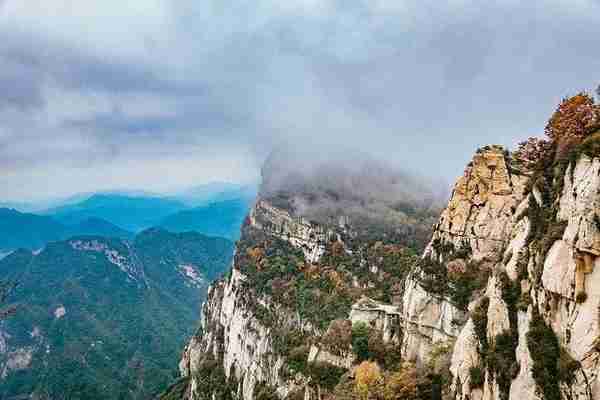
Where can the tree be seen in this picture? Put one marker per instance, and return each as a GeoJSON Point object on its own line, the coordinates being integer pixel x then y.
{"type": "Point", "coordinates": [368, 380]}
{"type": "Point", "coordinates": [338, 337]}
{"type": "Point", "coordinates": [402, 385]}
{"type": "Point", "coordinates": [532, 150]}
{"type": "Point", "coordinates": [574, 118]}
{"type": "Point", "coordinates": [360, 341]}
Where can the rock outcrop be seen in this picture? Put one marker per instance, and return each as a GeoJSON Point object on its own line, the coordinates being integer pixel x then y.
{"type": "Point", "coordinates": [532, 332]}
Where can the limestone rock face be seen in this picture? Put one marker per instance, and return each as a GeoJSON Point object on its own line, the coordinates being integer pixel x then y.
{"type": "Point", "coordinates": [427, 319]}
{"type": "Point", "coordinates": [480, 215]}
{"type": "Point", "coordinates": [232, 331]}
{"type": "Point", "coordinates": [300, 232]}
{"type": "Point", "coordinates": [384, 317]}
{"type": "Point", "coordinates": [482, 205]}
{"type": "Point", "coordinates": [555, 274]}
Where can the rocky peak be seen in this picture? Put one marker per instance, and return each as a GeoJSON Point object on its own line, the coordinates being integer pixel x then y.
{"type": "Point", "coordinates": [480, 211]}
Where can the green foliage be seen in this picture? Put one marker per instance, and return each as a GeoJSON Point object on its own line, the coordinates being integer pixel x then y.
{"type": "Point", "coordinates": [324, 374]}
{"type": "Point", "coordinates": [121, 329]}
{"type": "Point", "coordinates": [210, 376]}
{"type": "Point", "coordinates": [480, 320]}
{"type": "Point", "coordinates": [263, 391]}
{"type": "Point", "coordinates": [430, 387]}
{"type": "Point", "coordinates": [545, 350]}
{"type": "Point", "coordinates": [297, 359]}
{"type": "Point", "coordinates": [360, 341]}
{"type": "Point", "coordinates": [321, 292]}
{"type": "Point", "coordinates": [457, 287]}
{"type": "Point", "coordinates": [476, 376]}
{"type": "Point", "coordinates": [176, 391]}
{"type": "Point", "coordinates": [501, 359]}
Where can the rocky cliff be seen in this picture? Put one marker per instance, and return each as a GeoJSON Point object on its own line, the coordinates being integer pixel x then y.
{"type": "Point", "coordinates": [282, 323]}
{"type": "Point", "coordinates": [531, 331]}
{"type": "Point", "coordinates": [504, 302]}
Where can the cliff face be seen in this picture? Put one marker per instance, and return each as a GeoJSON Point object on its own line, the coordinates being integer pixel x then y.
{"type": "Point", "coordinates": [532, 330]}
{"type": "Point", "coordinates": [236, 333]}
{"type": "Point", "coordinates": [478, 223]}
{"type": "Point", "coordinates": [503, 303]}
{"type": "Point", "coordinates": [281, 324]}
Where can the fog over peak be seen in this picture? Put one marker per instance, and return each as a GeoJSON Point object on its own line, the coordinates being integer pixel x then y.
{"type": "Point", "coordinates": [324, 183]}
{"type": "Point", "coordinates": [166, 94]}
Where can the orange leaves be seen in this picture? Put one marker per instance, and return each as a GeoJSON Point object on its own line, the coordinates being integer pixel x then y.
{"type": "Point", "coordinates": [256, 253]}
{"type": "Point", "coordinates": [575, 117]}
{"type": "Point", "coordinates": [368, 379]}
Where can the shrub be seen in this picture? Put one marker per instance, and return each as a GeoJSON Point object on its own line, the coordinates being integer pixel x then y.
{"type": "Point", "coordinates": [368, 379]}
{"type": "Point", "coordinates": [575, 117]}
{"type": "Point", "coordinates": [476, 377]}
{"type": "Point", "coordinates": [338, 337]}
{"type": "Point", "coordinates": [402, 385]}
{"type": "Point", "coordinates": [581, 297]}
{"type": "Point", "coordinates": [324, 374]}
{"type": "Point", "coordinates": [297, 359]}
{"type": "Point", "coordinates": [531, 151]}
{"type": "Point", "coordinates": [544, 349]}
{"type": "Point", "coordinates": [263, 391]}
{"type": "Point", "coordinates": [479, 317]}
{"type": "Point", "coordinates": [360, 341]}
{"type": "Point", "coordinates": [567, 366]}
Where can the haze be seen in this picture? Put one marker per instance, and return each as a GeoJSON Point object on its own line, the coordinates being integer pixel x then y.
{"type": "Point", "coordinates": [159, 95]}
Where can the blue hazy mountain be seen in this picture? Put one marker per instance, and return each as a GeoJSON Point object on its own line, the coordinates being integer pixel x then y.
{"type": "Point", "coordinates": [100, 227]}
{"type": "Point", "coordinates": [28, 230]}
{"type": "Point", "coordinates": [222, 218]}
{"type": "Point", "coordinates": [202, 195]}
{"type": "Point", "coordinates": [133, 213]}
{"type": "Point", "coordinates": [31, 231]}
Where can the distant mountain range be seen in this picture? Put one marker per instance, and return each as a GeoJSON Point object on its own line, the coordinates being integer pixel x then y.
{"type": "Point", "coordinates": [130, 213]}
{"type": "Point", "coordinates": [216, 209]}
{"type": "Point", "coordinates": [218, 219]}
{"type": "Point", "coordinates": [104, 318]}
{"type": "Point", "coordinates": [31, 231]}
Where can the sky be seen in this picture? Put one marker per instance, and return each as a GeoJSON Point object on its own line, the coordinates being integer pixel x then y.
{"type": "Point", "coordinates": [163, 94]}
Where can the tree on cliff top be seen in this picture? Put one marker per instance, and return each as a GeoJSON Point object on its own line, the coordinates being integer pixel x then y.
{"type": "Point", "coordinates": [574, 119]}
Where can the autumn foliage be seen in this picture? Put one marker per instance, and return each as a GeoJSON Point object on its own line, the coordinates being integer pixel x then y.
{"type": "Point", "coordinates": [575, 118]}
{"type": "Point", "coordinates": [368, 380]}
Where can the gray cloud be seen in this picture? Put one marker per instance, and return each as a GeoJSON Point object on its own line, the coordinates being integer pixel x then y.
{"type": "Point", "coordinates": [143, 88]}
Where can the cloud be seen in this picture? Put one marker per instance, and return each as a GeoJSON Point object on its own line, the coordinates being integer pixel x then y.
{"type": "Point", "coordinates": [120, 87]}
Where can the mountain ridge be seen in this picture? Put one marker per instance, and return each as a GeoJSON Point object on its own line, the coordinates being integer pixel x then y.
{"type": "Point", "coordinates": [103, 317]}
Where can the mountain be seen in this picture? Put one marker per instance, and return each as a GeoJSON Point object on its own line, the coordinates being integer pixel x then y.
{"type": "Point", "coordinates": [104, 318]}
{"type": "Point", "coordinates": [128, 212]}
{"type": "Point", "coordinates": [27, 230]}
{"type": "Point", "coordinates": [31, 231]}
{"type": "Point", "coordinates": [315, 244]}
{"type": "Point", "coordinates": [213, 192]}
{"type": "Point", "coordinates": [99, 227]}
{"type": "Point", "coordinates": [502, 303]}
{"type": "Point", "coordinates": [222, 218]}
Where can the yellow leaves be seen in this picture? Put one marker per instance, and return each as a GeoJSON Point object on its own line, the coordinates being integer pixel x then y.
{"type": "Point", "coordinates": [311, 271]}
{"type": "Point", "coordinates": [256, 254]}
{"type": "Point", "coordinates": [402, 385]}
{"type": "Point", "coordinates": [368, 379]}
